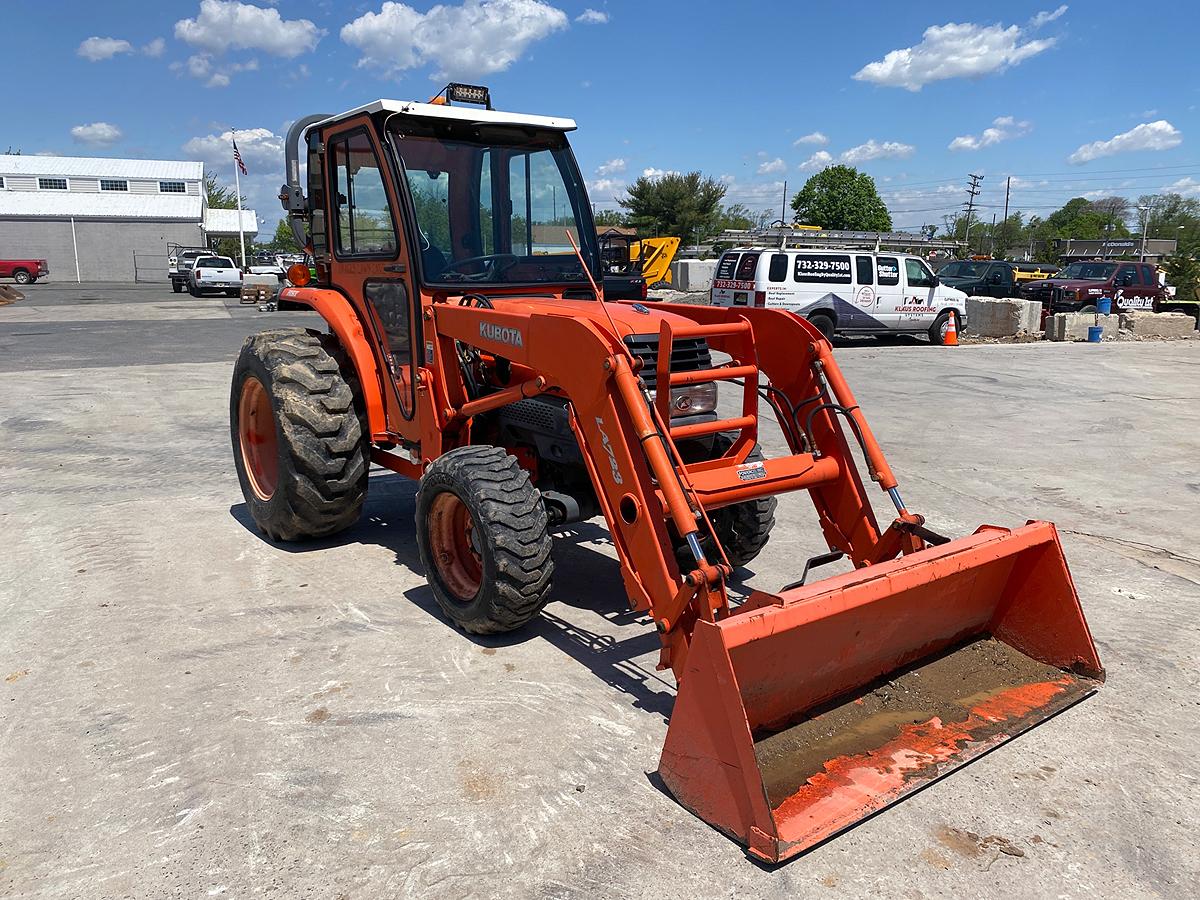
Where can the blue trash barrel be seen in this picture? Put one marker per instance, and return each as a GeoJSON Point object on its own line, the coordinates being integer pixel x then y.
{"type": "Point", "coordinates": [1095, 333]}
{"type": "Point", "coordinates": [1104, 306]}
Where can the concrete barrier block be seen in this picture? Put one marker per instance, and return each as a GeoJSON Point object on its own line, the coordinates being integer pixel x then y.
{"type": "Point", "coordinates": [264, 280]}
{"type": "Point", "coordinates": [990, 317]}
{"type": "Point", "coordinates": [692, 274]}
{"type": "Point", "coordinates": [1162, 325]}
{"type": "Point", "coordinates": [1074, 326]}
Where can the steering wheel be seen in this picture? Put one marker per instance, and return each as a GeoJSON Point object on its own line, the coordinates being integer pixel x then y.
{"type": "Point", "coordinates": [494, 259]}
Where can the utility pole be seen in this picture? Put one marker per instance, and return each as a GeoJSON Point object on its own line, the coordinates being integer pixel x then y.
{"type": "Point", "coordinates": [1007, 189]}
{"type": "Point", "coordinates": [972, 193]}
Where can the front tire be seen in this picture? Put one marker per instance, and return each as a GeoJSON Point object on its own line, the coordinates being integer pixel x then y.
{"type": "Point", "coordinates": [937, 331]}
{"type": "Point", "coordinates": [483, 536]}
{"type": "Point", "coordinates": [22, 277]}
{"type": "Point", "coordinates": [298, 436]}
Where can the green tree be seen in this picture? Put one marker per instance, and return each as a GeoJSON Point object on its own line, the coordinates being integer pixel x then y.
{"type": "Point", "coordinates": [841, 198]}
{"type": "Point", "coordinates": [609, 218]}
{"type": "Point", "coordinates": [220, 197]}
{"type": "Point", "coordinates": [736, 215]}
{"type": "Point", "coordinates": [283, 241]}
{"type": "Point", "coordinates": [1183, 271]}
{"type": "Point", "coordinates": [683, 206]}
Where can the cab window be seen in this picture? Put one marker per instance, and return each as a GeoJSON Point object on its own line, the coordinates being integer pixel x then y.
{"type": "Point", "coordinates": [779, 267]}
{"type": "Point", "coordinates": [1148, 276]}
{"type": "Point", "coordinates": [917, 274]}
{"type": "Point", "coordinates": [361, 215]}
{"type": "Point", "coordinates": [1127, 272]}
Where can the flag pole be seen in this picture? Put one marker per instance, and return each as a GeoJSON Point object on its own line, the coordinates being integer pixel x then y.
{"type": "Point", "coordinates": [237, 182]}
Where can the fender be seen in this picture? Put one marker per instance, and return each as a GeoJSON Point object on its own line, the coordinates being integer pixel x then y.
{"type": "Point", "coordinates": [343, 321]}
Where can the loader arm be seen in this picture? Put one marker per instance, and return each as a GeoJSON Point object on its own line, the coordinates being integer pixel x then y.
{"type": "Point", "coordinates": [650, 499]}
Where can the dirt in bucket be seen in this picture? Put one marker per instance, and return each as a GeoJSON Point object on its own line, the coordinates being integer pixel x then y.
{"type": "Point", "coordinates": [947, 687]}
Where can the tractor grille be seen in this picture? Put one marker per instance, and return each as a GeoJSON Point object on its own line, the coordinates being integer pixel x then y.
{"type": "Point", "coordinates": [687, 355]}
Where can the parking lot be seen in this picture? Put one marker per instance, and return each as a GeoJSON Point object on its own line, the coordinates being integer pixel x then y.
{"type": "Point", "coordinates": [191, 710]}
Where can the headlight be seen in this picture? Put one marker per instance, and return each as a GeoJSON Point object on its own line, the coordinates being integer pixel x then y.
{"type": "Point", "coordinates": [691, 399]}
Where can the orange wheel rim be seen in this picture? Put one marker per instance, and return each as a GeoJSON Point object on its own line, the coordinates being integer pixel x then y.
{"type": "Point", "coordinates": [454, 545]}
{"type": "Point", "coordinates": [256, 435]}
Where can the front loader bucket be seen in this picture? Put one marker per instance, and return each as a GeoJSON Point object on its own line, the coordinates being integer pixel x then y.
{"type": "Point", "coordinates": [805, 712]}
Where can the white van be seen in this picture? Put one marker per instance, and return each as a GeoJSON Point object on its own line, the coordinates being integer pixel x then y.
{"type": "Point", "coordinates": [841, 291]}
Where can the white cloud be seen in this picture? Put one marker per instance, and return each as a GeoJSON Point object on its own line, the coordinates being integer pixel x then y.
{"type": "Point", "coordinates": [1043, 17]}
{"type": "Point", "coordinates": [652, 172]}
{"type": "Point", "coordinates": [611, 167]}
{"type": "Point", "coordinates": [608, 186]}
{"type": "Point", "coordinates": [873, 149]}
{"type": "Point", "coordinates": [1188, 187]}
{"type": "Point", "coordinates": [772, 167]}
{"type": "Point", "coordinates": [1002, 129]}
{"type": "Point", "coordinates": [592, 17]}
{"type": "Point", "coordinates": [816, 162]}
{"type": "Point", "coordinates": [954, 50]}
{"type": "Point", "coordinates": [202, 66]}
{"type": "Point", "coordinates": [1160, 135]}
{"type": "Point", "coordinates": [98, 49]}
{"type": "Point", "coordinates": [815, 137]}
{"type": "Point", "coordinates": [229, 25]}
{"type": "Point", "coordinates": [97, 134]}
{"type": "Point", "coordinates": [476, 38]}
{"type": "Point", "coordinates": [260, 147]}
{"type": "Point", "coordinates": [155, 48]}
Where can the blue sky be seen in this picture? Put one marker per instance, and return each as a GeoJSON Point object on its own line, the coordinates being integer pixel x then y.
{"type": "Point", "coordinates": [1078, 99]}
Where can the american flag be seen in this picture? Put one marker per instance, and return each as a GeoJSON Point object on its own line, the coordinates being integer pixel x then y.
{"type": "Point", "coordinates": [237, 158]}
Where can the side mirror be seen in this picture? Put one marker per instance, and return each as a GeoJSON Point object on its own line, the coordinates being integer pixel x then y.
{"type": "Point", "coordinates": [1127, 280]}
{"type": "Point", "coordinates": [996, 279]}
{"type": "Point", "coordinates": [936, 281]}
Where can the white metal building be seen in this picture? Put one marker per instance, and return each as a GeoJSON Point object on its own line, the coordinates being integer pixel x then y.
{"type": "Point", "coordinates": [97, 219]}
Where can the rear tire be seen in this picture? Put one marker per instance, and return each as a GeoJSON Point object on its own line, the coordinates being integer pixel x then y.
{"type": "Point", "coordinates": [299, 442]}
{"type": "Point", "coordinates": [177, 287]}
{"type": "Point", "coordinates": [233, 293]}
{"type": "Point", "coordinates": [482, 532]}
{"type": "Point", "coordinates": [20, 276]}
{"type": "Point", "coordinates": [193, 290]}
{"type": "Point", "coordinates": [824, 324]}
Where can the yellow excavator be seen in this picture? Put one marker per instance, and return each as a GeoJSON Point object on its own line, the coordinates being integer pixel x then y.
{"type": "Point", "coordinates": [632, 264]}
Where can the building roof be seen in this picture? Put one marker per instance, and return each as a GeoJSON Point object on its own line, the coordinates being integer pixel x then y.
{"type": "Point", "coordinates": [463, 113]}
{"type": "Point", "coordinates": [101, 167]}
{"type": "Point", "coordinates": [224, 222]}
{"type": "Point", "coordinates": [114, 205]}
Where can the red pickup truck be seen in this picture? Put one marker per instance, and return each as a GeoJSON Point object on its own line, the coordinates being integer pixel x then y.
{"type": "Point", "coordinates": [23, 271]}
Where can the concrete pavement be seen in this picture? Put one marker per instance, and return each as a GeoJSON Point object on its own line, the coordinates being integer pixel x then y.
{"type": "Point", "coordinates": [189, 710]}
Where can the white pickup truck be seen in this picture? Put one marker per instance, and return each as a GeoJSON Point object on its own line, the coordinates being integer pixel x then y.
{"type": "Point", "coordinates": [179, 261]}
{"type": "Point", "coordinates": [214, 273]}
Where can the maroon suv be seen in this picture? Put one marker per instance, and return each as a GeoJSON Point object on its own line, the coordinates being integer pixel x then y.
{"type": "Point", "coordinates": [1130, 286]}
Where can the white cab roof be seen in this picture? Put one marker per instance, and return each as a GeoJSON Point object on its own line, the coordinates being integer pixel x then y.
{"type": "Point", "coordinates": [462, 113]}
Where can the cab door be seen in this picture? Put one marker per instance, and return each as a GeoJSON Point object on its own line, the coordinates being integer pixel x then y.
{"type": "Point", "coordinates": [1128, 290]}
{"type": "Point", "coordinates": [919, 307]}
{"type": "Point", "coordinates": [371, 264]}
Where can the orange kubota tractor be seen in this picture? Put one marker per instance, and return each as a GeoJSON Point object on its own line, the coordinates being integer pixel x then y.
{"type": "Point", "coordinates": [469, 348]}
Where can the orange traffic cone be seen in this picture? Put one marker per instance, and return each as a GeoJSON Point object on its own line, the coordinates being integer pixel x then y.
{"type": "Point", "coordinates": [950, 338]}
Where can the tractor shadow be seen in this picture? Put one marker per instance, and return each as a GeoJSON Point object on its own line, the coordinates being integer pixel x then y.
{"type": "Point", "coordinates": [587, 579]}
